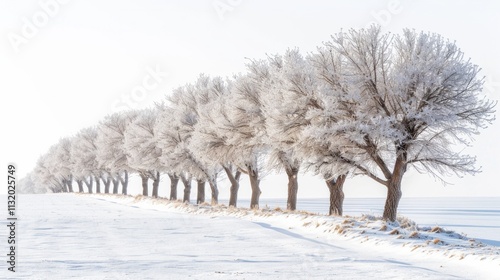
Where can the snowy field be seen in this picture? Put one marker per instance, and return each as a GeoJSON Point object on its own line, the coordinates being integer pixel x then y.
{"type": "Point", "coordinates": [71, 236]}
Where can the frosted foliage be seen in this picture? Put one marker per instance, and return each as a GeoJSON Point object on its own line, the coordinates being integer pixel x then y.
{"type": "Point", "coordinates": [212, 135]}
{"type": "Point", "coordinates": [176, 126]}
{"type": "Point", "coordinates": [140, 143]}
{"type": "Point", "coordinates": [439, 90]}
{"type": "Point", "coordinates": [55, 166]}
{"type": "Point", "coordinates": [84, 153]}
{"type": "Point", "coordinates": [166, 138]}
{"type": "Point", "coordinates": [290, 87]}
{"type": "Point", "coordinates": [30, 184]}
{"type": "Point", "coordinates": [62, 161]}
{"type": "Point", "coordinates": [111, 153]}
{"type": "Point", "coordinates": [246, 123]}
{"type": "Point", "coordinates": [385, 96]}
{"type": "Point", "coordinates": [42, 173]}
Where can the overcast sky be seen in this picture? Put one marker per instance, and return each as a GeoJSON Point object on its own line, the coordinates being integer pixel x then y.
{"type": "Point", "coordinates": [64, 65]}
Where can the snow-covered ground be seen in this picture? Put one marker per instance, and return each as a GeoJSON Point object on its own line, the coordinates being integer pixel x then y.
{"type": "Point", "coordinates": [475, 217]}
{"type": "Point", "coordinates": [71, 236]}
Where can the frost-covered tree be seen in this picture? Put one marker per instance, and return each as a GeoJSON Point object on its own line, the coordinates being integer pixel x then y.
{"type": "Point", "coordinates": [401, 101]}
{"type": "Point", "coordinates": [62, 162]}
{"type": "Point", "coordinates": [44, 177]}
{"type": "Point", "coordinates": [175, 129]}
{"type": "Point", "coordinates": [143, 153]}
{"type": "Point", "coordinates": [84, 156]}
{"type": "Point", "coordinates": [166, 163]}
{"type": "Point", "coordinates": [245, 129]}
{"type": "Point", "coordinates": [306, 115]}
{"type": "Point", "coordinates": [289, 92]}
{"type": "Point", "coordinates": [111, 152]}
{"type": "Point", "coordinates": [53, 169]}
{"type": "Point", "coordinates": [210, 136]}
{"type": "Point", "coordinates": [30, 184]}
{"type": "Point", "coordinates": [282, 86]}
{"type": "Point", "coordinates": [167, 140]}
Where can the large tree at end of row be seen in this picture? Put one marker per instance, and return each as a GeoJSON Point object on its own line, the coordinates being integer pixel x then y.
{"type": "Point", "coordinates": [399, 101]}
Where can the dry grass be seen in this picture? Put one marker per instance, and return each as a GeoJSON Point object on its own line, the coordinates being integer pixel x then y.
{"type": "Point", "coordinates": [414, 234]}
{"type": "Point", "coordinates": [394, 231]}
{"type": "Point", "coordinates": [437, 229]}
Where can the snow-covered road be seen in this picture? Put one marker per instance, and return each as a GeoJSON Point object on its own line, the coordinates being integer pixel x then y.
{"type": "Point", "coordinates": [68, 236]}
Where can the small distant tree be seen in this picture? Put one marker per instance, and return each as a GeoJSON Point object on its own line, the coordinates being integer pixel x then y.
{"type": "Point", "coordinates": [44, 176]}
{"type": "Point", "coordinates": [53, 169]}
{"type": "Point", "coordinates": [30, 184]}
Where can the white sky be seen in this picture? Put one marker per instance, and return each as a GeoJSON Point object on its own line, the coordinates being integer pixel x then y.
{"type": "Point", "coordinates": [79, 60]}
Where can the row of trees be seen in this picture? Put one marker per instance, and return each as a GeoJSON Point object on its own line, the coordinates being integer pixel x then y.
{"type": "Point", "coordinates": [365, 103]}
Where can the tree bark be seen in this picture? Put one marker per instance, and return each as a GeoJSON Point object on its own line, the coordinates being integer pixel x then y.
{"type": "Point", "coordinates": [124, 182]}
{"type": "Point", "coordinates": [62, 186]}
{"type": "Point", "coordinates": [144, 179]}
{"type": "Point", "coordinates": [156, 184]}
{"type": "Point", "coordinates": [174, 180]}
{"type": "Point", "coordinates": [336, 195]}
{"type": "Point", "coordinates": [97, 184]}
{"type": "Point", "coordinates": [107, 182]}
{"type": "Point", "coordinates": [214, 191]}
{"type": "Point", "coordinates": [89, 183]}
{"type": "Point", "coordinates": [69, 183]}
{"type": "Point", "coordinates": [254, 184]}
{"type": "Point", "coordinates": [116, 184]}
{"type": "Point", "coordinates": [80, 185]}
{"type": "Point", "coordinates": [187, 188]}
{"type": "Point", "coordinates": [235, 185]}
{"type": "Point", "coordinates": [293, 186]}
{"type": "Point", "coordinates": [200, 197]}
{"type": "Point", "coordinates": [394, 189]}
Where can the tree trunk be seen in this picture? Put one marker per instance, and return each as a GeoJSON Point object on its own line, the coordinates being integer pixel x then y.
{"type": "Point", "coordinates": [62, 186]}
{"type": "Point", "coordinates": [116, 184]}
{"type": "Point", "coordinates": [214, 191]}
{"type": "Point", "coordinates": [97, 184]}
{"type": "Point", "coordinates": [107, 182]}
{"type": "Point", "coordinates": [336, 195]}
{"type": "Point", "coordinates": [200, 197]}
{"type": "Point", "coordinates": [235, 185]}
{"type": "Point", "coordinates": [187, 188]}
{"type": "Point", "coordinates": [174, 180]}
{"type": "Point", "coordinates": [394, 189]}
{"type": "Point", "coordinates": [144, 179]}
{"type": "Point", "coordinates": [293, 186]}
{"type": "Point", "coordinates": [156, 184]}
{"type": "Point", "coordinates": [80, 185]}
{"type": "Point", "coordinates": [254, 184]}
{"type": "Point", "coordinates": [124, 182]}
{"type": "Point", "coordinates": [89, 182]}
{"type": "Point", "coordinates": [69, 183]}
